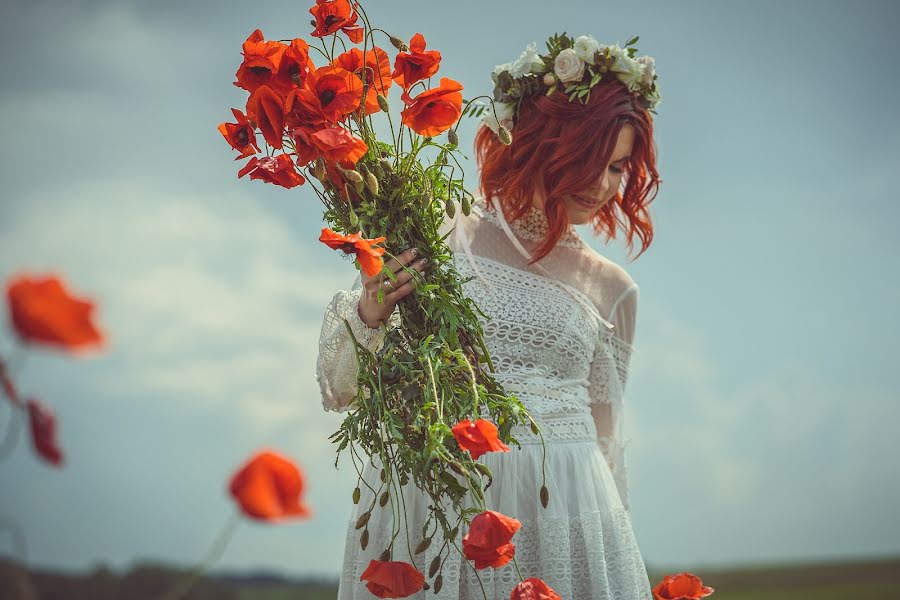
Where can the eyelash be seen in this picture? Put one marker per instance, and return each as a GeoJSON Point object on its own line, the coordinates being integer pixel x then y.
{"type": "Point", "coordinates": [616, 170]}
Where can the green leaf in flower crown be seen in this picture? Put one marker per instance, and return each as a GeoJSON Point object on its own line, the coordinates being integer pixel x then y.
{"type": "Point", "coordinates": [632, 41]}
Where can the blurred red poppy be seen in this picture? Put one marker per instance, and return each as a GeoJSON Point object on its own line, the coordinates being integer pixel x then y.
{"type": "Point", "coordinates": [435, 110]}
{"type": "Point", "coordinates": [681, 586]}
{"type": "Point", "coordinates": [279, 170]}
{"type": "Point", "coordinates": [369, 258]}
{"type": "Point", "coordinates": [240, 135]}
{"type": "Point", "coordinates": [533, 589]}
{"type": "Point", "coordinates": [261, 61]}
{"type": "Point", "coordinates": [43, 432]}
{"type": "Point", "coordinates": [488, 541]}
{"type": "Point", "coordinates": [43, 312]}
{"type": "Point", "coordinates": [333, 15]}
{"type": "Point", "coordinates": [478, 437]}
{"type": "Point", "coordinates": [392, 579]}
{"type": "Point", "coordinates": [269, 487]}
{"type": "Point", "coordinates": [417, 64]}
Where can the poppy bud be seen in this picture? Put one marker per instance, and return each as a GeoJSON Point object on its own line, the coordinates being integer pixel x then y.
{"type": "Point", "coordinates": [386, 165]}
{"type": "Point", "coordinates": [356, 494]}
{"type": "Point", "coordinates": [466, 206]}
{"type": "Point", "coordinates": [453, 533]}
{"type": "Point", "coordinates": [435, 565]}
{"type": "Point", "coordinates": [372, 184]}
{"type": "Point", "coordinates": [363, 519]}
{"type": "Point", "coordinates": [423, 545]}
{"type": "Point", "coordinates": [383, 474]}
{"type": "Point", "coordinates": [549, 79]}
{"type": "Point", "coordinates": [364, 540]}
{"type": "Point", "coordinates": [545, 496]}
{"type": "Point", "coordinates": [385, 556]}
{"type": "Point", "coordinates": [351, 175]}
{"type": "Point", "coordinates": [399, 44]}
{"type": "Point", "coordinates": [457, 468]}
{"type": "Point", "coordinates": [384, 499]}
{"type": "Point", "coordinates": [319, 169]}
{"type": "Point", "coordinates": [383, 103]}
{"type": "Point", "coordinates": [452, 137]}
{"type": "Point", "coordinates": [534, 428]}
{"type": "Point", "coordinates": [504, 135]}
{"type": "Point", "coordinates": [425, 586]}
{"type": "Point", "coordinates": [451, 208]}
{"type": "Point", "coordinates": [438, 583]}
{"type": "Point", "coordinates": [353, 219]}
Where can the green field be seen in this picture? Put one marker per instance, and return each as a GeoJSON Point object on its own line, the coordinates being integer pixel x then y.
{"type": "Point", "coordinates": [857, 580]}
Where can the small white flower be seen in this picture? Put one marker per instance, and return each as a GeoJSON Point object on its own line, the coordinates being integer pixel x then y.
{"type": "Point", "coordinates": [585, 47]}
{"type": "Point", "coordinates": [505, 112]}
{"type": "Point", "coordinates": [528, 62]}
{"type": "Point", "coordinates": [568, 67]}
{"type": "Point", "coordinates": [649, 69]}
{"type": "Point", "coordinates": [653, 98]}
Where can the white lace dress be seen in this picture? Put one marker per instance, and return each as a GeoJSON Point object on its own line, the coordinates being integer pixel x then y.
{"type": "Point", "coordinates": [560, 335]}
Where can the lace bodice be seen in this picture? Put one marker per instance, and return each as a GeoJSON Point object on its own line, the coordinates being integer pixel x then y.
{"type": "Point", "coordinates": [560, 332]}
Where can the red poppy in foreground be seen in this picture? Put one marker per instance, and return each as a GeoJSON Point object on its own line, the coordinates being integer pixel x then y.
{"type": "Point", "coordinates": [681, 586]}
{"type": "Point", "coordinates": [43, 312]}
{"type": "Point", "coordinates": [417, 64]}
{"type": "Point", "coordinates": [478, 437]}
{"type": "Point", "coordinates": [43, 432]}
{"type": "Point", "coordinates": [279, 170]}
{"type": "Point", "coordinates": [269, 487]}
{"type": "Point", "coordinates": [240, 135]}
{"type": "Point", "coordinates": [435, 110]}
{"type": "Point", "coordinates": [533, 589]}
{"type": "Point", "coordinates": [369, 258]}
{"type": "Point", "coordinates": [392, 579]}
{"type": "Point", "coordinates": [332, 15]}
{"type": "Point", "coordinates": [488, 541]}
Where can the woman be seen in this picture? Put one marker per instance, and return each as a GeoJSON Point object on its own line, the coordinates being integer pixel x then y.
{"type": "Point", "coordinates": [561, 327]}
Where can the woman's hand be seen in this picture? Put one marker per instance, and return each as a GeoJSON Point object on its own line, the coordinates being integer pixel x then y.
{"type": "Point", "coordinates": [373, 312]}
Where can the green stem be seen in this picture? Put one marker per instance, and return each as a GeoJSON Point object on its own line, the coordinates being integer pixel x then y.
{"type": "Point", "coordinates": [215, 551]}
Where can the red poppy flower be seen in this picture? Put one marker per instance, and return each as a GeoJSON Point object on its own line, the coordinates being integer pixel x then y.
{"type": "Point", "coordinates": [269, 487]}
{"type": "Point", "coordinates": [43, 312]}
{"type": "Point", "coordinates": [240, 135]}
{"type": "Point", "coordinates": [338, 145]}
{"type": "Point", "coordinates": [261, 61]}
{"type": "Point", "coordinates": [306, 151]}
{"type": "Point", "coordinates": [488, 541]}
{"type": "Point", "coordinates": [377, 70]}
{"type": "Point", "coordinates": [435, 110]}
{"type": "Point", "coordinates": [332, 15]}
{"type": "Point", "coordinates": [266, 108]}
{"type": "Point", "coordinates": [392, 579]}
{"type": "Point", "coordinates": [9, 389]}
{"type": "Point", "coordinates": [681, 586]}
{"type": "Point", "coordinates": [369, 258]}
{"type": "Point", "coordinates": [478, 437]}
{"type": "Point", "coordinates": [417, 64]}
{"type": "Point", "coordinates": [294, 68]}
{"type": "Point", "coordinates": [43, 432]}
{"type": "Point", "coordinates": [533, 589]}
{"type": "Point", "coordinates": [279, 170]}
{"type": "Point", "coordinates": [331, 92]}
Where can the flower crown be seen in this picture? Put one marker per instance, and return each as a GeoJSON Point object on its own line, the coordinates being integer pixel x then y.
{"type": "Point", "coordinates": [572, 67]}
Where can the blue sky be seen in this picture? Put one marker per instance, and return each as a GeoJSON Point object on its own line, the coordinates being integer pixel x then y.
{"type": "Point", "coordinates": [763, 400]}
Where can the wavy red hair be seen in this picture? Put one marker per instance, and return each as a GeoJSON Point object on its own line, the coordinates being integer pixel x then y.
{"type": "Point", "coordinates": [560, 148]}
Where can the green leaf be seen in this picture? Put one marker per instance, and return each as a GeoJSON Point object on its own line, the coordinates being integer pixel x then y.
{"type": "Point", "coordinates": [632, 41]}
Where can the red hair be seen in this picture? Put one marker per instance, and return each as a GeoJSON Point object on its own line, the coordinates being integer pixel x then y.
{"type": "Point", "coordinates": [560, 148]}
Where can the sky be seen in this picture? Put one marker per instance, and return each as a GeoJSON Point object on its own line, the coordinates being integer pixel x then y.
{"type": "Point", "coordinates": [763, 399]}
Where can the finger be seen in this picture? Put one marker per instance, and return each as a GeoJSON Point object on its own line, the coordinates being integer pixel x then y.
{"type": "Point", "coordinates": [372, 283]}
{"type": "Point", "coordinates": [404, 275]}
{"type": "Point", "coordinates": [405, 285]}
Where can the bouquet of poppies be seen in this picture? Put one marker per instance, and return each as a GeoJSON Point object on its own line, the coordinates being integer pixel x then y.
{"type": "Point", "coordinates": [427, 404]}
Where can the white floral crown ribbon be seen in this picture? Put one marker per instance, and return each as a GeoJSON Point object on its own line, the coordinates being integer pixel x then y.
{"type": "Point", "coordinates": [587, 305]}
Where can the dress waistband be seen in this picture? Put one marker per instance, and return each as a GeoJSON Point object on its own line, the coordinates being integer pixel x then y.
{"type": "Point", "coordinates": [560, 410]}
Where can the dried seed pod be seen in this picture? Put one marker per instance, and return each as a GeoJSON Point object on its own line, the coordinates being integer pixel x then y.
{"type": "Point", "coordinates": [385, 496]}
{"type": "Point", "coordinates": [534, 428]}
{"type": "Point", "coordinates": [452, 137]}
{"type": "Point", "coordinates": [435, 565]}
{"type": "Point", "coordinates": [351, 175]}
{"type": "Point", "coordinates": [545, 496]}
{"type": "Point", "coordinates": [458, 468]}
{"type": "Point", "coordinates": [372, 184]}
{"type": "Point", "coordinates": [466, 206]}
{"type": "Point", "coordinates": [438, 583]}
{"type": "Point", "coordinates": [425, 586]}
{"type": "Point", "coordinates": [383, 474]}
{"type": "Point", "coordinates": [364, 539]}
{"type": "Point", "coordinates": [363, 519]}
{"type": "Point", "coordinates": [356, 494]}
{"type": "Point", "coordinates": [453, 533]}
{"type": "Point", "coordinates": [504, 135]}
{"type": "Point", "coordinates": [319, 171]}
{"type": "Point", "coordinates": [397, 42]}
{"type": "Point", "coordinates": [354, 220]}
{"type": "Point", "coordinates": [423, 545]}
{"type": "Point", "coordinates": [385, 556]}
{"type": "Point", "coordinates": [450, 208]}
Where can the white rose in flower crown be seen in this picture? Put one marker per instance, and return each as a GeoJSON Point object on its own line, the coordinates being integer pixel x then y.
{"type": "Point", "coordinates": [528, 62]}
{"type": "Point", "coordinates": [585, 47]}
{"type": "Point", "coordinates": [505, 112]}
{"type": "Point", "coordinates": [568, 67]}
{"type": "Point", "coordinates": [649, 69]}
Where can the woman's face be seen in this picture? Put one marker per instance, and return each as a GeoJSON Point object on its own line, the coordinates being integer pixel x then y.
{"type": "Point", "coordinates": [582, 208]}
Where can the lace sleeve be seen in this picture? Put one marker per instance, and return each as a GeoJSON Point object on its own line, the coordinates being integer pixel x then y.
{"type": "Point", "coordinates": [336, 361]}
{"type": "Point", "coordinates": [608, 376]}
